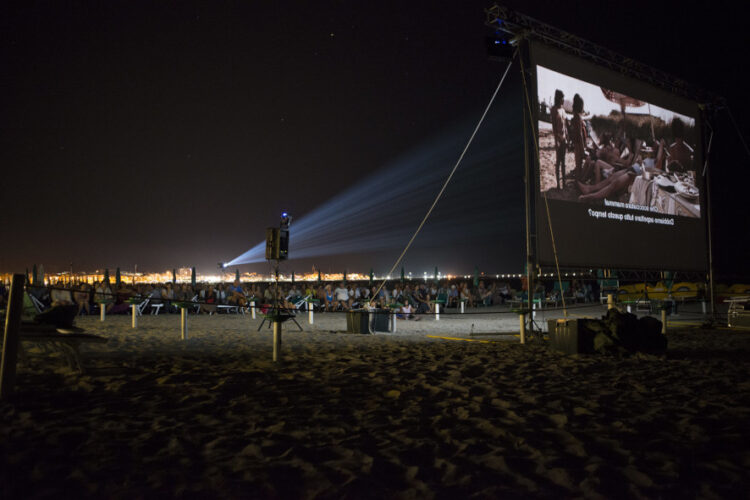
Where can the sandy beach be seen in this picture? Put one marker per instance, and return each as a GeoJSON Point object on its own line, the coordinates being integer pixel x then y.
{"type": "Point", "coordinates": [375, 416]}
{"type": "Point", "coordinates": [547, 157]}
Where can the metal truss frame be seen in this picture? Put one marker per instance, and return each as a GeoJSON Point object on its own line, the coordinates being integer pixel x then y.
{"type": "Point", "coordinates": [626, 275]}
{"type": "Point", "coordinates": [519, 26]}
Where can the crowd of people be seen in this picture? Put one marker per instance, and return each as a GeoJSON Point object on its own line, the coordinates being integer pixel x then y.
{"type": "Point", "coordinates": [409, 298]}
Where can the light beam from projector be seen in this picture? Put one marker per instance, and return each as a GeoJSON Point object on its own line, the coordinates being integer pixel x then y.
{"type": "Point", "coordinates": [380, 212]}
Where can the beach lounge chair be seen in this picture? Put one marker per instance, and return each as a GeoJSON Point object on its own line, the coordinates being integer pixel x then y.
{"type": "Point", "coordinates": [37, 303]}
{"type": "Point", "coordinates": [156, 307]}
{"type": "Point", "coordinates": [139, 308]}
{"type": "Point", "coordinates": [303, 302]}
{"type": "Point", "coordinates": [440, 299]}
{"type": "Point", "coordinates": [67, 340]}
{"type": "Point", "coordinates": [228, 308]}
{"type": "Point", "coordinates": [197, 306]}
{"type": "Point", "coordinates": [267, 314]}
{"type": "Point", "coordinates": [566, 293]}
{"type": "Point", "coordinates": [31, 305]}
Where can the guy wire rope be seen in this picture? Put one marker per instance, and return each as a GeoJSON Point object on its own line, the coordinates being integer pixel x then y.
{"type": "Point", "coordinates": [546, 203]}
{"type": "Point", "coordinates": [445, 184]}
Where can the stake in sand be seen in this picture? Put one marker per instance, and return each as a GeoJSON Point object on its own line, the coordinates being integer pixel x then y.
{"type": "Point", "coordinates": [11, 336]}
{"type": "Point", "coordinates": [183, 318]}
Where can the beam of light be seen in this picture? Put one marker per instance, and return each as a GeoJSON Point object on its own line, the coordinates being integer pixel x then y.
{"type": "Point", "coordinates": [381, 211]}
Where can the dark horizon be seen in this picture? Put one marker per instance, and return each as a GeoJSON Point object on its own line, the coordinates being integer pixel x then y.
{"type": "Point", "coordinates": [172, 137]}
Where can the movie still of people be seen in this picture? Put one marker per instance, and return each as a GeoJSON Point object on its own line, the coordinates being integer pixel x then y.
{"type": "Point", "coordinates": [597, 146]}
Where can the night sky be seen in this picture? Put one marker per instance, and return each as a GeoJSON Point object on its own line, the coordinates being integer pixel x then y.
{"type": "Point", "coordinates": [170, 134]}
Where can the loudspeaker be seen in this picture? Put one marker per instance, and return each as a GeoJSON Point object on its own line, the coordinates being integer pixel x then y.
{"type": "Point", "coordinates": [380, 320]}
{"type": "Point", "coordinates": [273, 243]}
{"type": "Point", "coordinates": [283, 244]}
{"type": "Point", "coordinates": [357, 321]}
{"type": "Point", "coordinates": [570, 336]}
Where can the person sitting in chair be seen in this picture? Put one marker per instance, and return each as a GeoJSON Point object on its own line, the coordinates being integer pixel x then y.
{"type": "Point", "coordinates": [341, 295]}
{"type": "Point", "coordinates": [407, 311]}
{"type": "Point", "coordinates": [422, 300]}
{"type": "Point", "coordinates": [104, 294]}
{"type": "Point", "coordinates": [81, 297]}
{"type": "Point", "coordinates": [237, 295]}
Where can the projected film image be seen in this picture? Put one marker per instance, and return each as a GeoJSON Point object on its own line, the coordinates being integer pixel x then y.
{"type": "Point", "coordinates": [604, 148]}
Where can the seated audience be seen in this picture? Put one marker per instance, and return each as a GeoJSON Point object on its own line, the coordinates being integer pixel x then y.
{"type": "Point", "coordinates": [81, 297]}
{"type": "Point", "coordinates": [407, 311]}
{"type": "Point", "coordinates": [103, 293]}
{"type": "Point", "coordinates": [342, 296]}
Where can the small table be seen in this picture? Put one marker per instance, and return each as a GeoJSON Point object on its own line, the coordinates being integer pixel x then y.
{"type": "Point", "coordinates": [251, 305]}
{"type": "Point", "coordinates": [463, 301]}
{"type": "Point", "coordinates": [183, 317]}
{"type": "Point", "coordinates": [311, 308]}
{"type": "Point", "coordinates": [278, 316]}
{"type": "Point", "coordinates": [156, 307]}
{"type": "Point", "coordinates": [135, 302]}
{"type": "Point", "coordinates": [103, 308]}
{"type": "Point", "coordinates": [393, 306]}
{"type": "Point", "coordinates": [437, 303]}
{"type": "Point", "coordinates": [738, 315]}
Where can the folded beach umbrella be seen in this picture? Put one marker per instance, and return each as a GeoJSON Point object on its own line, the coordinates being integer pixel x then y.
{"type": "Point", "coordinates": [34, 276]}
{"type": "Point", "coordinates": [237, 275]}
{"type": "Point", "coordinates": [623, 100]}
{"type": "Point", "coordinates": [118, 277]}
{"type": "Point", "coordinates": [371, 276]}
{"type": "Point", "coordinates": [402, 274]}
{"type": "Point", "coordinates": [344, 275]}
{"type": "Point", "coordinates": [174, 277]}
{"type": "Point", "coordinates": [436, 274]}
{"type": "Point", "coordinates": [192, 277]}
{"type": "Point", "coordinates": [319, 280]}
{"type": "Point", "coordinates": [106, 275]}
{"type": "Point", "coordinates": [476, 275]}
{"type": "Point", "coordinates": [292, 277]}
{"type": "Point", "coordinates": [27, 276]}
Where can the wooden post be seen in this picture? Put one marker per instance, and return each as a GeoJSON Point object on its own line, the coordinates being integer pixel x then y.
{"type": "Point", "coordinates": [252, 308]}
{"type": "Point", "coordinates": [610, 301]}
{"type": "Point", "coordinates": [102, 311]}
{"type": "Point", "coordinates": [664, 320]}
{"type": "Point", "coordinates": [134, 307]}
{"type": "Point", "coordinates": [183, 322]}
{"type": "Point", "coordinates": [310, 312]}
{"type": "Point", "coordinates": [11, 336]}
{"type": "Point", "coordinates": [522, 319]}
{"type": "Point", "coordinates": [276, 339]}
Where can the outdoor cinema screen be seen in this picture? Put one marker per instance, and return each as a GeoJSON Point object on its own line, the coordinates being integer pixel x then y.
{"type": "Point", "coordinates": [618, 171]}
